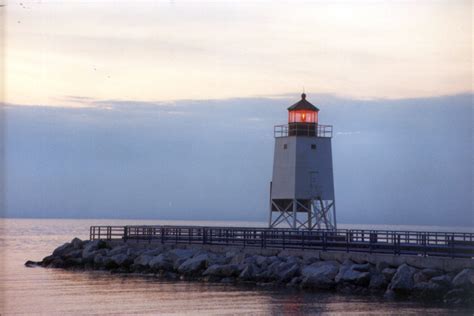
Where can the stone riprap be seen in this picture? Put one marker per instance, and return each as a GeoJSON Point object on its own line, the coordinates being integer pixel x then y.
{"type": "Point", "coordinates": [229, 265]}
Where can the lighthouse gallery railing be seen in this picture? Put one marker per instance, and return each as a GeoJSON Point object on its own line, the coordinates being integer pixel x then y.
{"type": "Point", "coordinates": [444, 244]}
{"type": "Point", "coordinates": [317, 130]}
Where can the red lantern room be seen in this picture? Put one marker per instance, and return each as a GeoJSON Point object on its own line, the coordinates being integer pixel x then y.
{"type": "Point", "coordinates": [302, 118]}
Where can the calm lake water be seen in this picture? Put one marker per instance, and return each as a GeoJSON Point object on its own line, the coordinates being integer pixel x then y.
{"type": "Point", "coordinates": [42, 291]}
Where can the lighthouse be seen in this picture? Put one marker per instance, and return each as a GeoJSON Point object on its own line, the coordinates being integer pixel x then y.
{"type": "Point", "coordinates": [302, 186]}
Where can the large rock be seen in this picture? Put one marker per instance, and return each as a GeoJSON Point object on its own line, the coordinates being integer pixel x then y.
{"type": "Point", "coordinates": [320, 275]}
{"type": "Point", "coordinates": [194, 265]}
{"type": "Point", "coordinates": [90, 249]}
{"type": "Point", "coordinates": [402, 281]}
{"type": "Point", "coordinates": [73, 254]}
{"type": "Point", "coordinates": [354, 273]}
{"type": "Point", "coordinates": [225, 270]}
{"type": "Point", "coordinates": [63, 249]}
{"type": "Point", "coordinates": [346, 265]}
{"type": "Point", "coordinates": [429, 273]}
{"type": "Point", "coordinates": [428, 290]}
{"type": "Point", "coordinates": [176, 254]}
{"type": "Point", "coordinates": [356, 277]}
{"type": "Point", "coordinates": [161, 262]}
{"type": "Point", "coordinates": [361, 267]}
{"type": "Point", "coordinates": [142, 260]}
{"type": "Point", "coordinates": [464, 279]}
{"type": "Point", "coordinates": [378, 281]}
{"type": "Point", "coordinates": [459, 296]}
{"type": "Point", "coordinates": [260, 260]}
{"type": "Point", "coordinates": [99, 260]}
{"type": "Point", "coordinates": [287, 272]}
{"type": "Point", "coordinates": [122, 249]}
{"type": "Point", "coordinates": [389, 273]}
{"type": "Point", "coordinates": [32, 264]}
{"type": "Point", "coordinates": [249, 273]}
{"type": "Point", "coordinates": [121, 260]}
{"type": "Point", "coordinates": [420, 277]}
{"type": "Point", "coordinates": [76, 243]}
{"type": "Point", "coordinates": [443, 281]}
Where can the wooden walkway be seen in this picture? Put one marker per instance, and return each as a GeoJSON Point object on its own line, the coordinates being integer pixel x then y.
{"type": "Point", "coordinates": [455, 245]}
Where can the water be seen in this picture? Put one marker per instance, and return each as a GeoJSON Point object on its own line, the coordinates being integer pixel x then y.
{"type": "Point", "coordinates": [42, 291]}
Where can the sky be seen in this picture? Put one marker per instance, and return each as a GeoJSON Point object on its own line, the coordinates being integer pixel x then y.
{"type": "Point", "coordinates": [165, 109]}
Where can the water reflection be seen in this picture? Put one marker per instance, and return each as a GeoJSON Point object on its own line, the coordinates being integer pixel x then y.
{"type": "Point", "coordinates": [57, 292]}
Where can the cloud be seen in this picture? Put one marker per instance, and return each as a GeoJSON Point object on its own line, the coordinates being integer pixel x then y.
{"type": "Point", "coordinates": [405, 162]}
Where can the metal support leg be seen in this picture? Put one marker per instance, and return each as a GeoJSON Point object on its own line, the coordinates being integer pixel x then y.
{"type": "Point", "coordinates": [295, 205]}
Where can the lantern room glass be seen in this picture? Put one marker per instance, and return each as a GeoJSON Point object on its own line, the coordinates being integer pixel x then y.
{"type": "Point", "coordinates": [302, 116]}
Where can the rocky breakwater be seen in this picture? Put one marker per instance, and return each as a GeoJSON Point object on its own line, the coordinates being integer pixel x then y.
{"type": "Point", "coordinates": [237, 266]}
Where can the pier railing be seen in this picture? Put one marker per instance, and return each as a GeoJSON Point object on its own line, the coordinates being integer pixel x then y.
{"type": "Point", "coordinates": [460, 245]}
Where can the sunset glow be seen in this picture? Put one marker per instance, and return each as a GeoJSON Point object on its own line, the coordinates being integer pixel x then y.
{"type": "Point", "coordinates": [174, 50]}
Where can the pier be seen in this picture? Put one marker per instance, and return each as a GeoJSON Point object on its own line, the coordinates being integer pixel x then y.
{"type": "Point", "coordinates": [418, 243]}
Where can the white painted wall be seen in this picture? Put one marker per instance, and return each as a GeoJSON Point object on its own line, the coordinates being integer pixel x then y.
{"type": "Point", "coordinates": [301, 172]}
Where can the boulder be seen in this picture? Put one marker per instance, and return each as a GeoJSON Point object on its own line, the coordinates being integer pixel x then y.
{"type": "Point", "coordinates": [91, 248]}
{"type": "Point", "coordinates": [61, 250]}
{"type": "Point", "coordinates": [249, 273]}
{"type": "Point", "coordinates": [73, 254]}
{"type": "Point", "coordinates": [356, 277]}
{"type": "Point", "coordinates": [161, 262]}
{"type": "Point", "coordinates": [122, 249]}
{"type": "Point", "coordinates": [235, 257]}
{"type": "Point", "coordinates": [320, 275]}
{"type": "Point", "coordinates": [47, 260]}
{"type": "Point", "coordinates": [228, 280]}
{"type": "Point", "coordinates": [346, 265]}
{"type": "Point", "coordinates": [354, 273]}
{"type": "Point", "coordinates": [294, 259]}
{"type": "Point", "coordinates": [361, 267]}
{"type": "Point", "coordinates": [443, 281]}
{"type": "Point", "coordinates": [380, 266]}
{"type": "Point", "coordinates": [32, 264]}
{"type": "Point", "coordinates": [250, 260]}
{"type": "Point", "coordinates": [389, 273]}
{"type": "Point", "coordinates": [296, 281]}
{"type": "Point", "coordinates": [121, 260]}
{"type": "Point", "coordinates": [464, 279]}
{"type": "Point", "coordinates": [142, 260]}
{"type": "Point", "coordinates": [152, 252]}
{"type": "Point", "coordinates": [176, 254]}
{"type": "Point", "coordinates": [194, 265]}
{"type": "Point", "coordinates": [56, 262]}
{"type": "Point", "coordinates": [428, 290]}
{"type": "Point", "coordinates": [287, 272]}
{"type": "Point", "coordinates": [402, 281]}
{"type": "Point", "coordinates": [260, 260]}
{"type": "Point", "coordinates": [429, 273]}
{"type": "Point", "coordinates": [459, 296]}
{"type": "Point", "coordinates": [378, 281]}
{"type": "Point", "coordinates": [420, 277]}
{"type": "Point", "coordinates": [178, 262]}
{"type": "Point", "coordinates": [223, 271]}
{"type": "Point", "coordinates": [76, 243]}
{"type": "Point", "coordinates": [99, 260]}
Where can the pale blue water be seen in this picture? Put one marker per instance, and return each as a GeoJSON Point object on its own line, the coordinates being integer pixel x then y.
{"type": "Point", "coordinates": [39, 291]}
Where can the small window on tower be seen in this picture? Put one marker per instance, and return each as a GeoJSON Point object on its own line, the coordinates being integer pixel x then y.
{"type": "Point", "coordinates": [285, 146]}
{"type": "Point", "coordinates": [313, 146]}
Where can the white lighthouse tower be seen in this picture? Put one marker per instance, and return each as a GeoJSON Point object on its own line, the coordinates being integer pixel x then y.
{"type": "Point", "coordinates": [302, 187]}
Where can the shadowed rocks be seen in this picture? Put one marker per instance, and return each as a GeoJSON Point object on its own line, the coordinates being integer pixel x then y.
{"type": "Point", "coordinates": [233, 266]}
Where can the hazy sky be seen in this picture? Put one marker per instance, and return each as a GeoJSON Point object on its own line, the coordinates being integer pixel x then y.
{"type": "Point", "coordinates": [168, 50]}
{"type": "Point", "coordinates": [165, 109]}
